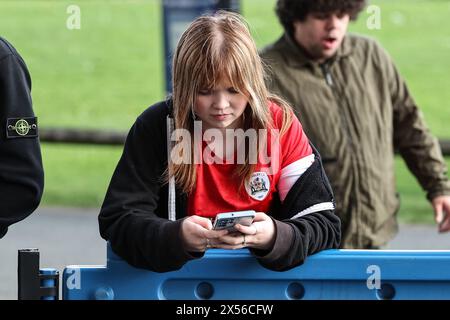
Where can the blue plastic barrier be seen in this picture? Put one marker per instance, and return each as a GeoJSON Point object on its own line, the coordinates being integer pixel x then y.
{"type": "Point", "coordinates": [224, 274]}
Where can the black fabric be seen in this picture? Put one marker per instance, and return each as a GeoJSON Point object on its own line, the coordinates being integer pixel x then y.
{"type": "Point", "coordinates": [313, 187]}
{"type": "Point", "coordinates": [3, 231]}
{"type": "Point", "coordinates": [134, 214]}
{"type": "Point", "coordinates": [310, 233]}
{"type": "Point", "coordinates": [21, 172]}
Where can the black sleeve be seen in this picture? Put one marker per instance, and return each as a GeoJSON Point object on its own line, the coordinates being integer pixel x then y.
{"type": "Point", "coordinates": [297, 238]}
{"type": "Point", "coordinates": [128, 217]}
{"type": "Point", "coordinates": [21, 172]}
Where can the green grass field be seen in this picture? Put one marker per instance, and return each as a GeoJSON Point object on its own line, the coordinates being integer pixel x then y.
{"type": "Point", "coordinates": [105, 74]}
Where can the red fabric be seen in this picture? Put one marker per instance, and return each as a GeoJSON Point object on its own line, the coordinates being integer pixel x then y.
{"type": "Point", "coordinates": [219, 190]}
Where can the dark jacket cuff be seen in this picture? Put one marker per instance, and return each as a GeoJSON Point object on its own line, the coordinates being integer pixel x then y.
{"type": "Point", "coordinates": [283, 240]}
{"type": "Point", "coordinates": [436, 193]}
{"type": "Point", "coordinates": [175, 243]}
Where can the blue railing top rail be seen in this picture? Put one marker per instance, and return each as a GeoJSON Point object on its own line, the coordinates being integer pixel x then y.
{"type": "Point", "coordinates": [225, 274]}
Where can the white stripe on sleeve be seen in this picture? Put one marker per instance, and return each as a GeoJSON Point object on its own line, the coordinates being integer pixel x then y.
{"type": "Point", "coordinates": [291, 173]}
{"type": "Point", "coordinates": [315, 208]}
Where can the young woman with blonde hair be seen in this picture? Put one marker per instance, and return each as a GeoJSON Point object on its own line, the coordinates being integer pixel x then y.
{"type": "Point", "coordinates": [220, 143]}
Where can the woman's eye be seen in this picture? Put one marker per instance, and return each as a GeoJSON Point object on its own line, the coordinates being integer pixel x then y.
{"type": "Point", "coordinates": [232, 90]}
{"type": "Point", "coordinates": [204, 92]}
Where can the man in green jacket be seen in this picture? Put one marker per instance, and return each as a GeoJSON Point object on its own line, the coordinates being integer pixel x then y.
{"type": "Point", "coordinates": [356, 108]}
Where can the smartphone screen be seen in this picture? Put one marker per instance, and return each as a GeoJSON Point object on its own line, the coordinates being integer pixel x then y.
{"type": "Point", "coordinates": [229, 219]}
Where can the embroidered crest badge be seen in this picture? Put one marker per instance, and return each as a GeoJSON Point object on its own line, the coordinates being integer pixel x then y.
{"type": "Point", "coordinates": [21, 127]}
{"type": "Point", "coordinates": [258, 186]}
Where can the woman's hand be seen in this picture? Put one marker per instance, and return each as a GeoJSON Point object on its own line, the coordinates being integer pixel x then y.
{"type": "Point", "coordinates": [259, 235]}
{"type": "Point", "coordinates": [197, 233]}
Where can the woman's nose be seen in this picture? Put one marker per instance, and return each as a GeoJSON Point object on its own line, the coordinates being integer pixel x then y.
{"type": "Point", "coordinates": [221, 100]}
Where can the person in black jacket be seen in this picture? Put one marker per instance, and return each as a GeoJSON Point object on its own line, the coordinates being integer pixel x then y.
{"type": "Point", "coordinates": [221, 143]}
{"type": "Point", "coordinates": [21, 172]}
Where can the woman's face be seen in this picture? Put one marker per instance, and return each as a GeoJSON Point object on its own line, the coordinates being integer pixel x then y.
{"type": "Point", "coordinates": [221, 107]}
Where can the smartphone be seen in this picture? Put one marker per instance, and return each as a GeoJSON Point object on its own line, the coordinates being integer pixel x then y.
{"type": "Point", "coordinates": [228, 220]}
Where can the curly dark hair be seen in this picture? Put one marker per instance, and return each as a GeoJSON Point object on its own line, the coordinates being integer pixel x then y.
{"type": "Point", "coordinates": [289, 11]}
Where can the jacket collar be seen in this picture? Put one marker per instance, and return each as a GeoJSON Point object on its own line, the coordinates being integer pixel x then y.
{"type": "Point", "coordinates": [296, 56]}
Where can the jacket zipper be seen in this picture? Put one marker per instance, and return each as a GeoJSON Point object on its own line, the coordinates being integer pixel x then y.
{"type": "Point", "coordinates": [329, 80]}
{"type": "Point", "coordinates": [353, 196]}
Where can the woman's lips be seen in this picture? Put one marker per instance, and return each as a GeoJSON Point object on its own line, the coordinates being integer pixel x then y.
{"type": "Point", "coordinates": [220, 117]}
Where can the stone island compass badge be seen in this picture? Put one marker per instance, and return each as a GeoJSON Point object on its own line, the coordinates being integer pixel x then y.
{"type": "Point", "coordinates": [258, 186]}
{"type": "Point", "coordinates": [21, 128]}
